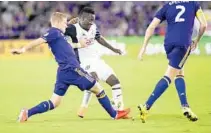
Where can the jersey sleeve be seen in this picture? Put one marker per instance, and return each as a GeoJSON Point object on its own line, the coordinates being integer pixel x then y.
{"type": "Point", "coordinates": [197, 7]}
{"type": "Point", "coordinates": [71, 31]}
{"type": "Point", "coordinates": [50, 35]}
{"type": "Point", "coordinates": [161, 14]}
{"type": "Point", "coordinates": [97, 35]}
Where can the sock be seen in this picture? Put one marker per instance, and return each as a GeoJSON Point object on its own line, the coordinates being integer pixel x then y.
{"type": "Point", "coordinates": [41, 108]}
{"type": "Point", "coordinates": [117, 97]}
{"type": "Point", "coordinates": [86, 98]}
{"type": "Point", "coordinates": [105, 102]}
{"type": "Point", "coordinates": [181, 90]}
{"type": "Point", "coordinates": [161, 86]}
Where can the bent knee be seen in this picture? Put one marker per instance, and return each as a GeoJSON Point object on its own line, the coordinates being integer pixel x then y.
{"type": "Point", "coordinates": [56, 100]}
{"type": "Point", "coordinates": [112, 80]}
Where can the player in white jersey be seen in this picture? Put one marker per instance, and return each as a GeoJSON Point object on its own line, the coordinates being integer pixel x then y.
{"type": "Point", "coordinates": [86, 30]}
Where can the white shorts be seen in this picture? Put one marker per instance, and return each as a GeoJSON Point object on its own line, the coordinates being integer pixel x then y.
{"type": "Point", "coordinates": [99, 66]}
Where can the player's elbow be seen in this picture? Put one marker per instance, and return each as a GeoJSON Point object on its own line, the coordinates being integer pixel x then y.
{"type": "Point", "coordinates": [150, 30]}
{"type": "Point", "coordinates": [204, 26]}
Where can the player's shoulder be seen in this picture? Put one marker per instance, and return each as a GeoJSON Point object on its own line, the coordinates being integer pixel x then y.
{"type": "Point", "coordinates": [71, 26]}
{"type": "Point", "coordinates": [53, 32]}
{"type": "Point", "coordinates": [71, 30]}
{"type": "Point", "coordinates": [94, 27]}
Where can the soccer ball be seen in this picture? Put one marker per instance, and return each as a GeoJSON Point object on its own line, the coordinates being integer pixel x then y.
{"type": "Point", "coordinates": [195, 29]}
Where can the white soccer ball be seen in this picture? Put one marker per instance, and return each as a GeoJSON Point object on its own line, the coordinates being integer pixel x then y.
{"type": "Point", "coordinates": [196, 27]}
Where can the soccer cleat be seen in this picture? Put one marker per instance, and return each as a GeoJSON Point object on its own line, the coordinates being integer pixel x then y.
{"type": "Point", "coordinates": [187, 112]}
{"type": "Point", "coordinates": [122, 114]}
{"type": "Point", "coordinates": [127, 117]}
{"type": "Point", "coordinates": [23, 116]}
{"type": "Point", "coordinates": [143, 112]}
{"type": "Point", "coordinates": [81, 112]}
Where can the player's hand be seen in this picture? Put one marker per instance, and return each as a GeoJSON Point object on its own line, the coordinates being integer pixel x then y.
{"type": "Point", "coordinates": [73, 21]}
{"type": "Point", "coordinates": [118, 51]}
{"type": "Point", "coordinates": [194, 45]}
{"type": "Point", "coordinates": [83, 42]}
{"type": "Point", "coordinates": [17, 51]}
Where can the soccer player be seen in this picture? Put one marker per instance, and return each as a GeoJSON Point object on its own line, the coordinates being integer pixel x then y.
{"type": "Point", "coordinates": [84, 28]}
{"type": "Point", "coordinates": [178, 45]}
{"type": "Point", "coordinates": [69, 71]}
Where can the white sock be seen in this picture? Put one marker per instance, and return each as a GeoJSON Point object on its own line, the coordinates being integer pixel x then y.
{"type": "Point", "coordinates": [86, 98]}
{"type": "Point", "coordinates": [117, 97]}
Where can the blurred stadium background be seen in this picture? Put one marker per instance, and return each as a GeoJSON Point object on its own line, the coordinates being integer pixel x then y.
{"type": "Point", "coordinates": [29, 78]}
{"type": "Point", "coordinates": [28, 20]}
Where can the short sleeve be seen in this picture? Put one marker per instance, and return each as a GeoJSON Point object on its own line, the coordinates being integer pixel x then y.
{"type": "Point", "coordinates": [97, 35]}
{"type": "Point", "coordinates": [71, 31]}
{"type": "Point", "coordinates": [50, 35]}
{"type": "Point", "coordinates": [161, 14]}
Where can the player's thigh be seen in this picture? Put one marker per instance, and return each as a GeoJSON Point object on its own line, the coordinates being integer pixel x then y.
{"type": "Point", "coordinates": [89, 66]}
{"type": "Point", "coordinates": [83, 80]}
{"type": "Point", "coordinates": [60, 88]}
{"type": "Point", "coordinates": [60, 85]}
{"type": "Point", "coordinates": [103, 70]}
{"type": "Point", "coordinates": [177, 55]}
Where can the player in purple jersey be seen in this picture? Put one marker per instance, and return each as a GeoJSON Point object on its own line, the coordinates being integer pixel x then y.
{"type": "Point", "coordinates": [178, 44]}
{"type": "Point", "coordinates": [69, 71]}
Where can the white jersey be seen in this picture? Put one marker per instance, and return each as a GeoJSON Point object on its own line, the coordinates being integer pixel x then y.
{"type": "Point", "coordinates": [90, 51]}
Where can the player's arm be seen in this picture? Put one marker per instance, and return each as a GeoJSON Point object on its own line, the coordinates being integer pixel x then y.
{"type": "Point", "coordinates": [203, 23]}
{"type": "Point", "coordinates": [73, 21]}
{"type": "Point", "coordinates": [32, 44]}
{"type": "Point", "coordinates": [149, 32]}
{"type": "Point", "coordinates": [75, 43]}
{"type": "Point", "coordinates": [101, 40]}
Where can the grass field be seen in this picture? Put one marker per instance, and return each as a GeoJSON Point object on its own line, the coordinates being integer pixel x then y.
{"type": "Point", "coordinates": [24, 82]}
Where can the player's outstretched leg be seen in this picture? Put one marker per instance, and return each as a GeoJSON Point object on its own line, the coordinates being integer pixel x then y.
{"type": "Point", "coordinates": [160, 88]}
{"type": "Point", "coordinates": [113, 81]}
{"type": "Point", "coordinates": [105, 102]}
{"type": "Point", "coordinates": [86, 98]}
{"type": "Point", "coordinates": [85, 103]}
{"type": "Point", "coordinates": [181, 90]}
{"type": "Point", "coordinates": [40, 108]}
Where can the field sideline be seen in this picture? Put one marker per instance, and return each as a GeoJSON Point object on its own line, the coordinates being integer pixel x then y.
{"type": "Point", "coordinates": [24, 82]}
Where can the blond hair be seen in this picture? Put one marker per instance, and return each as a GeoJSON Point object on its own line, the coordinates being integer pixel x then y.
{"type": "Point", "coordinates": [56, 17]}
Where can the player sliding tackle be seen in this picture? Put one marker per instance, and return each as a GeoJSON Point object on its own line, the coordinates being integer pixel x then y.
{"type": "Point", "coordinates": [84, 28]}
{"type": "Point", "coordinates": [180, 17]}
{"type": "Point", "coordinates": [69, 71]}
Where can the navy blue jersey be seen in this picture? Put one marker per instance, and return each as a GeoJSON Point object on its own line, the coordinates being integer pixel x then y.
{"type": "Point", "coordinates": [180, 17]}
{"type": "Point", "coordinates": [61, 49]}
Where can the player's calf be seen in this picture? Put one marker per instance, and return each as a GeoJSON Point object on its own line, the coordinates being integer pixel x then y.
{"type": "Point", "coordinates": [40, 108]}
{"type": "Point", "coordinates": [106, 104]}
{"type": "Point", "coordinates": [117, 102]}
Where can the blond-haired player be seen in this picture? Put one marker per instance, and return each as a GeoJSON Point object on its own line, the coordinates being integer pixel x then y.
{"type": "Point", "coordinates": [69, 71]}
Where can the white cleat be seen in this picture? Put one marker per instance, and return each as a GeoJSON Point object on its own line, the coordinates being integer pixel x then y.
{"type": "Point", "coordinates": [187, 112]}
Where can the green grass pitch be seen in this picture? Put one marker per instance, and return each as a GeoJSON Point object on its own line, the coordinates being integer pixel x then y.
{"type": "Point", "coordinates": [26, 82]}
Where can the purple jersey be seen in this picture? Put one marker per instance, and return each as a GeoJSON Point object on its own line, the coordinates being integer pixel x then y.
{"type": "Point", "coordinates": [61, 49]}
{"type": "Point", "coordinates": [180, 17]}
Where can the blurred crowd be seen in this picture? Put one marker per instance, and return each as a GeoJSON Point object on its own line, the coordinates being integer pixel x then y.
{"type": "Point", "coordinates": [29, 20]}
